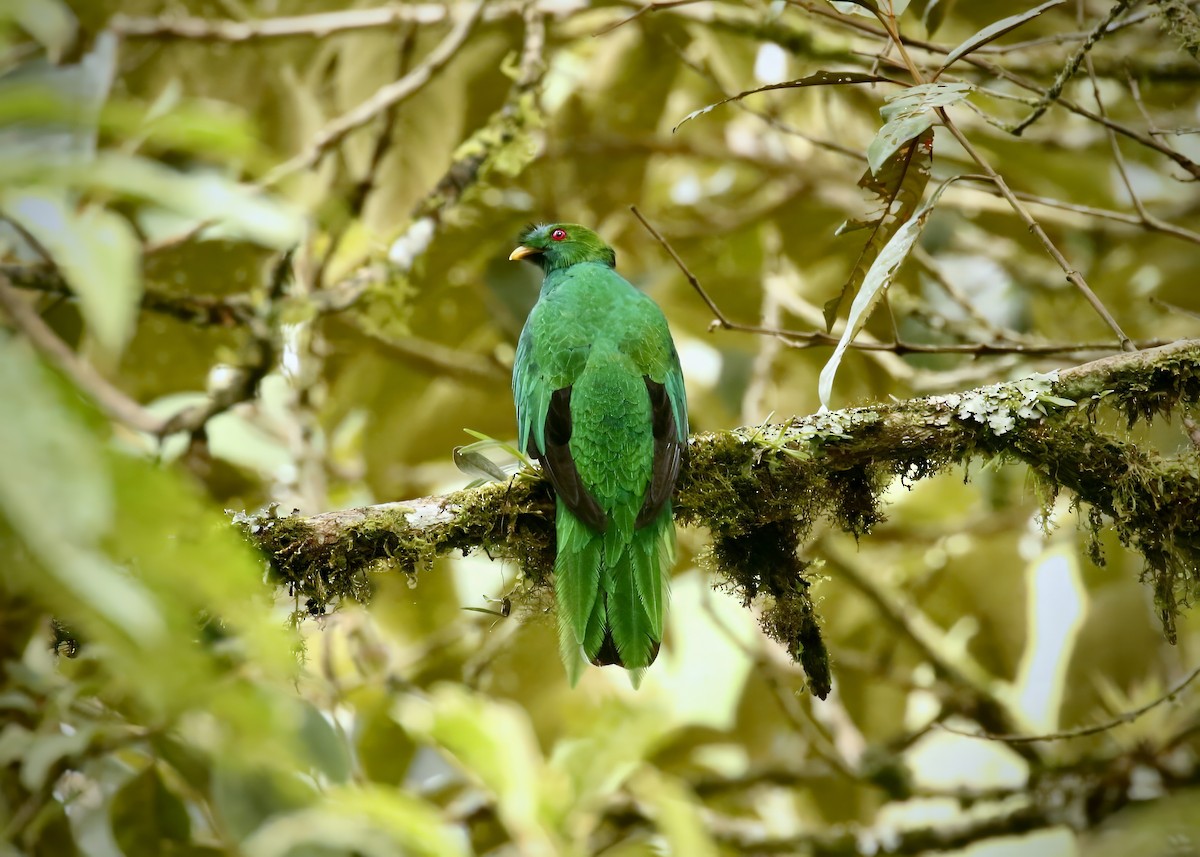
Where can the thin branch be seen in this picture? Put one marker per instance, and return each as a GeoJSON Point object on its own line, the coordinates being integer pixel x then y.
{"type": "Point", "coordinates": [1073, 276]}
{"type": "Point", "coordinates": [1072, 65]}
{"type": "Point", "coordinates": [442, 360]}
{"type": "Point", "coordinates": [953, 664]}
{"type": "Point", "coordinates": [1063, 38]}
{"type": "Point", "coordinates": [1084, 731]}
{"type": "Point", "coordinates": [862, 25]}
{"type": "Point", "coordinates": [819, 338]}
{"type": "Point", "coordinates": [1149, 222]}
{"type": "Point", "coordinates": [648, 7]}
{"type": "Point", "coordinates": [1076, 279]}
{"type": "Point", "coordinates": [383, 100]}
{"type": "Point", "coordinates": [111, 400]}
{"type": "Point", "coordinates": [721, 320]}
{"type": "Point", "coordinates": [318, 26]}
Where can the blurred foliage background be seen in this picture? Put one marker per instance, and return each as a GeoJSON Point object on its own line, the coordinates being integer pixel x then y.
{"type": "Point", "coordinates": [254, 254]}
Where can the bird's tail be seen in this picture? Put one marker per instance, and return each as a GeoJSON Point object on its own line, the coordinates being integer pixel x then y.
{"type": "Point", "coordinates": [611, 591]}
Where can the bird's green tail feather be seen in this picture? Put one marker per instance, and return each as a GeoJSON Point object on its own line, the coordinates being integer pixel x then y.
{"type": "Point", "coordinates": [611, 591]}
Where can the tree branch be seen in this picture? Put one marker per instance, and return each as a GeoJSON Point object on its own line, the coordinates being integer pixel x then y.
{"type": "Point", "coordinates": [744, 482]}
{"type": "Point", "coordinates": [384, 99]}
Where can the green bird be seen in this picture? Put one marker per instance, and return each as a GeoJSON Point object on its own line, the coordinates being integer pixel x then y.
{"type": "Point", "coordinates": [601, 406]}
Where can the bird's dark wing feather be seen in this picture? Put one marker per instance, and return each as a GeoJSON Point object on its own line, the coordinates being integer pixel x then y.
{"type": "Point", "coordinates": [558, 464]}
{"type": "Point", "coordinates": [668, 453]}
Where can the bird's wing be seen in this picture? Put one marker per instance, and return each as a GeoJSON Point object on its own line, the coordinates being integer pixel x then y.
{"type": "Point", "coordinates": [668, 407]}
{"type": "Point", "coordinates": [544, 432]}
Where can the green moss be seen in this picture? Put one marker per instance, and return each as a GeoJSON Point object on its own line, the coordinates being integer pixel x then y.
{"type": "Point", "coordinates": [765, 560]}
{"type": "Point", "coordinates": [323, 560]}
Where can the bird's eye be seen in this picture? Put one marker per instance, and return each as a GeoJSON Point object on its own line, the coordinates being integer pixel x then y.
{"type": "Point", "coordinates": [559, 234]}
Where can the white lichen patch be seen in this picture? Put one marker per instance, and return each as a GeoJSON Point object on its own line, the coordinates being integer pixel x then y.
{"type": "Point", "coordinates": [796, 438]}
{"type": "Point", "coordinates": [1001, 405]}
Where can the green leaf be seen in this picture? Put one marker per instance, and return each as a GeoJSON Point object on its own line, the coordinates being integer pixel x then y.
{"type": "Point", "coordinates": [935, 13]}
{"type": "Point", "coordinates": [493, 742]}
{"type": "Point", "coordinates": [203, 198]}
{"type": "Point", "coordinates": [491, 441]}
{"type": "Point", "coordinates": [245, 799]}
{"type": "Point", "coordinates": [56, 495]}
{"type": "Point", "coordinates": [474, 463]}
{"type": "Point", "coordinates": [908, 114]}
{"type": "Point", "coordinates": [870, 8]}
{"type": "Point", "coordinates": [866, 8]}
{"type": "Point", "coordinates": [374, 821]}
{"type": "Point", "coordinates": [819, 78]}
{"type": "Point", "coordinates": [98, 253]}
{"type": "Point", "coordinates": [51, 22]}
{"type": "Point", "coordinates": [994, 31]}
{"type": "Point", "coordinates": [1058, 400]}
{"type": "Point", "coordinates": [323, 744]}
{"type": "Point", "coordinates": [146, 815]}
{"type": "Point", "coordinates": [897, 186]}
{"type": "Point", "coordinates": [878, 278]}
{"type": "Point", "coordinates": [46, 750]}
{"type": "Point", "coordinates": [384, 750]}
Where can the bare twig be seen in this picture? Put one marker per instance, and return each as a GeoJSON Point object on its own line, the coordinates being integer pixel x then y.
{"type": "Point", "coordinates": [1076, 279]}
{"type": "Point", "coordinates": [649, 7]}
{"type": "Point", "coordinates": [1063, 38]}
{"type": "Point", "coordinates": [819, 338]}
{"type": "Point", "coordinates": [316, 26]}
{"type": "Point", "coordinates": [1073, 276]}
{"type": "Point", "coordinates": [384, 99]}
{"type": "Point", "coordinates": [1072, 65]}
{"type": "Point", "coordinates": [865, 26]}
{"type": "Point", "coordinates": [721, 320]}
{"type": "Point", "coordinates": [1084, 731]}
{"type": "Point", "coordinates": [112, 401]}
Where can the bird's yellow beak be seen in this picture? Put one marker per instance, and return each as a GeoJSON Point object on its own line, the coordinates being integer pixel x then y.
{"type": "Point", "coordinates": [522, 252]}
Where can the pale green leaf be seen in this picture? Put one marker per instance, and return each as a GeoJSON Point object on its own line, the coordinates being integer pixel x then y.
{"type": "Point", "coordinates": [231, 210]}
{"type": "Point", "coordinates": [874, 285]}
{"type": "Point", "coordinates": [247, 798]}
{"type": "Point", "coordinates": [43, 751]}
{"type": "Point", "coordinates": [866, 8]}
{"type": "Point", "coordinates": [878, 278]}
{"type": "Point", "coordinates": [896, 189]}
{"type": "Point", "coordinates": [98, 253]}
{"type": "Point", "coordinates": [908, 114]}
{"type": "Point", "coordinates": [56, 495]}
{"type": "Point", "coordinates": [51, 22]}
{"type": "Point", "coordinates": [994, 31]}
{"type": "Point", "coordinates": [935, 13]}
{"type": "Point", "coordinates": [375, 821]}
{"type": "Point", "coordinates": [869, 8]}
{"type": "Point", "coordinates": [323, 743]}
{"type": "Point", "coordinates": [474, 463]}
{"type": "Point", "coordinates": [493, 742]}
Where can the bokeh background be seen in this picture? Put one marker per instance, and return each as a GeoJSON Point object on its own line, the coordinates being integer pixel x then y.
{"type": "Point", "coordinates": [271, 237]}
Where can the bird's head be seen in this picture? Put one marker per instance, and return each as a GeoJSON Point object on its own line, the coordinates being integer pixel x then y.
{"type": "Point", "coordinates": [560, 245]}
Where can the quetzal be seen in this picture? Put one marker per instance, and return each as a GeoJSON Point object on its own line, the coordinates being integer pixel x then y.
{"type": "Point", "coordinates": [601, 406]}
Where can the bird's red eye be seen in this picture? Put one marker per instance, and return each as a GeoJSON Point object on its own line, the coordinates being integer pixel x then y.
{"type": "Point", "coordinates": [559, 234]}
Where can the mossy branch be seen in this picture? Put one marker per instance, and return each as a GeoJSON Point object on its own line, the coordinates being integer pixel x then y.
{"type": "Point", "coordinates": [759, 489]}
